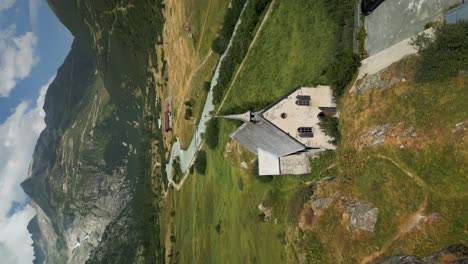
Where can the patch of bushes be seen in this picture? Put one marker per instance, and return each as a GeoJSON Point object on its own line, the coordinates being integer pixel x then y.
{"type": "Point", "coordinates": [240, 46]}
{"type": "Point", "coordinates": [207, 86]}
{"type": "Point", "coordinates": [221, 42]}
{"type": "Point", "coordinates": [331, 127]}
{"type": "Point", "coordinates": [219, 227]}
{"type": "Point", "coordinates": [176, 170]}
{"type": "Point", "coordinates": [212, 133]}
{"type": "Point", "coordinates": [188, 113]}
{"type": "Point", "coordinates": [445, 56]}
{"type": "Point", "coordinates": [341, 71]}
{"type": "Point", "coordinates": [344, 62]}
{"type": "Point", "coordinates": [200, 162]}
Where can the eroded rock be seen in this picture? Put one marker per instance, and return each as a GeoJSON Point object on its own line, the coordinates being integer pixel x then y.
{"type": "Point", "coordinates": [363, 216]}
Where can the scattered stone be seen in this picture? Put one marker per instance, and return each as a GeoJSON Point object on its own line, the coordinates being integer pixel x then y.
{"type": "Point", "coordinates": [462, 126]}
{"type": "Point", "coordinates": [375, 136]}
{"type": "Point", "coordinates": [300, 224]}
{"type": "Point", "coordinates": [244, 165]}
{"type": "Point", "coordinates": [363, 216]}
{"type": "Point", "coordinates": [266, 211]}
{"type": "Point", "coordinates": [321, 203]}
{"type": "Point", "coordinates": [375, 81]}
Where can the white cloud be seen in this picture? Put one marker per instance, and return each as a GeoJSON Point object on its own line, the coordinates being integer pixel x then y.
{"type": "Point", "coordinates": [34, 6]}
{"type": "Point", "coordinates": [6, 4]}
{"type": "Point", "coordinates": [18, 137]}
{"type": "Point", "coordinates": [17, 57]}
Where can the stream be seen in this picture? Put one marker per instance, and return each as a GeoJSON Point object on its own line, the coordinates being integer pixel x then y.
{"type": "Point", "coordinates": [186, 156]}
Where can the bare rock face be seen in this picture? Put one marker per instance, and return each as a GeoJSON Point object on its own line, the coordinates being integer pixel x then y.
{"type": "Point", "coordinates": [363, 216]}
{"type": "Point", "coordinates": [375, 81]}
{"type": "Point", "coordinates": [454, 254]}
{"type": "Point", "coordinates": [375, 136]}
{"type": "Point", "coordinates": [321, 203]}
{"type": "Point", "coordinates": [74, 189]}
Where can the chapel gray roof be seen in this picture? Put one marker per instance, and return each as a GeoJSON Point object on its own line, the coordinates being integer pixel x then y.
{"type": "Point", "coordinates": [264, 135]}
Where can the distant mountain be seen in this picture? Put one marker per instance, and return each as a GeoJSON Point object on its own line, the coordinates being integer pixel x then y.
{"type": "Point", "coordinates": [88, 181]}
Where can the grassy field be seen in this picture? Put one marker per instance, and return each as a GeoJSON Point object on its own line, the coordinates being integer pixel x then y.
{"type": "Point", "coordinates": [205, 17]}
{"type": "Point", "coordinates": [276, 65]}
{"type": "Point", "coordinates": [190, 60]}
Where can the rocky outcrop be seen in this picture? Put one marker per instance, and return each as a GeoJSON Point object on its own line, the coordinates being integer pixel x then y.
{"type": "Point", "coordinates": [454, 254]}
{"type": "Point", "coordinates": [395, 133]}
{"type": "Point", "coordinates": [376, 81]}
{"type": "Point", "coordinates": [362, 216]}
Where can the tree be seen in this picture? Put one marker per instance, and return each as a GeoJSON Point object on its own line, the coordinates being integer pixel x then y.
{"type": "Point", "coordinates": [212, 133]}
{"type": "Point", "coordinates": [330, 126]}
{"type": "Point", "coordinates": [200, 162]}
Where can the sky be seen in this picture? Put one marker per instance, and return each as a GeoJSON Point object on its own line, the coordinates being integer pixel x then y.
{"type": "Point", "coordinates": [33, 44]}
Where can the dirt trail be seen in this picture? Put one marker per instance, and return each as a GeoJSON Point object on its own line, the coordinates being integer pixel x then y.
{"type": "Point", "coordinates": [411, 222]}
{"type": "Point", "coordinates": [202, 31]}
{"type": "Point", "coordinates": [249, 51]}
{"type": "Point", "coordinates": [322, 171]}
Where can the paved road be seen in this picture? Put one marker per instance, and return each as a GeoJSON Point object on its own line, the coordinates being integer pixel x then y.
{"type": "Point", "coordinates": [396, 20]}
{"type": "Point", "coordinates": [388, 56]}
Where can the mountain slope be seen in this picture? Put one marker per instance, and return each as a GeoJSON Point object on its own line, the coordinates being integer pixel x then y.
{"type": "Point", "coordinates": [89, 181]}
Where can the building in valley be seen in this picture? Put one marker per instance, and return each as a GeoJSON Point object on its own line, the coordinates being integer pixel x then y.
{"type": "Point", "coordinates": [167, 114]}
{"type": "Point", "coordinates": [286, 134]}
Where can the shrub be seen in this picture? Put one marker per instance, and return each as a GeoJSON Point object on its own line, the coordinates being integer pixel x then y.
{"type": "Point", "coordinates": [176, 170]}
{"type": "Point", "coordinates": [207, 86]}
{"type": "Point", "coordinates": [227, 28]}
{"type": "Point", "coordinates": [444, 57]}
{"type": "Point", "coordinates": [341, 71]}
{"type": "Point", "coordinates": [212, 133]}
{"type": "Point", "coordinates": [330, 126]}
{"type": "Point", "coordinates": [188, 113]}
{"type": "Point", "coordinates": [188, 103]}
{"type": "Point", "coordinates": [200, 162]}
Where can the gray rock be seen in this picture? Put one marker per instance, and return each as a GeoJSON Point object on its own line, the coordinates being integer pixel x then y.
{"type": "Point", "coordinates": [375, 136]}
{"type": "Point", "coordinates": [401, 260]}
{"type": "Point", "coordinates": [363, 216]}
{"type": "Point", "coordinates": [457, 253]}
{"type": "Point", "coordinates": [244, 165]}
{"type": "Point", "coordinates": [321, 203]}
{"type": "Point", "coordinates": [375, 81]}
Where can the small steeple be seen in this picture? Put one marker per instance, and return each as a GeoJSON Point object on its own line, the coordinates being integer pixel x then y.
{"type": "Point", "coordinates": [245, 117]}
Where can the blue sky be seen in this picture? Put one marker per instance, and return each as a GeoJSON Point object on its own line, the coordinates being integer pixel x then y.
{"type": "Point", "coordinates": [33, 44]}
{"type": "Point", "coordinates": [53, 44]}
